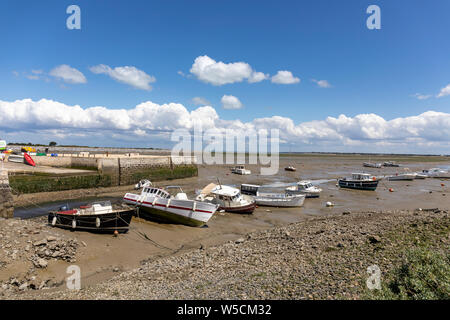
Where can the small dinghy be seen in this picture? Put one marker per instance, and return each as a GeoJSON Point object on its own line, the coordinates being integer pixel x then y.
{"type": "Point", "coordinates": [280, 199]}
{"type": "Point", "coordinates": [290, 168]}
{"type": "Point", "coordinates": [97, 217]}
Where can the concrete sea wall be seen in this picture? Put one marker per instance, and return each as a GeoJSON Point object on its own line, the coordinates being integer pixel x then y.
{"type": "Point", "coordinates": [6, 199]}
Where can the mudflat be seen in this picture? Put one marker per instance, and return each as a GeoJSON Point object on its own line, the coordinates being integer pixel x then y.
{"type": "Point", "coordinates": [103, 259]}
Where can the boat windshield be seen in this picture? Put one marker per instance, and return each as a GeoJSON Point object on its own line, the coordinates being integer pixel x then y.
{"type": "Point", "coordinates": [305, 185]}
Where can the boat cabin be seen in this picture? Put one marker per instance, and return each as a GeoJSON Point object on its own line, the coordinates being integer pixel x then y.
{"type": "Point", "coordinates": [361, 176]}
{"type": "Point", "coordinates": [156, 191]}
{"type": "Point", "coordinates": [304, 185]}
{"type": "Point", "coordinates": [100, 207]}
{"type": "Point", "coordinates": [226, 193]}
{"type": "Point", "coordinates": [250, 189]}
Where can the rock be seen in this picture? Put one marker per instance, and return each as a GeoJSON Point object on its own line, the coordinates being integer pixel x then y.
{"type": "Point", "coordinates": [329, 204]}
{"type": "Point", "coordinates": [240, 240]}
{"type": "Point", "coordinates": [41, 263]}
{"type": "Point", "coordinates": [374, 239]}
{"type": "Point", "coordinates": [346, 212]}
{"type": "Point", "coordinates": [40, 243]}
{"type": "Point", "coordinates": [51, 238]}
{"type": "Point", "coordinates": [23, 286]}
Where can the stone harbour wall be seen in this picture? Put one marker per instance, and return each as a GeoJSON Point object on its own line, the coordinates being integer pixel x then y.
{"type": "Point", "coordinates": [6, 199]}
{"type": "Point", "coordinates": [131, 170]}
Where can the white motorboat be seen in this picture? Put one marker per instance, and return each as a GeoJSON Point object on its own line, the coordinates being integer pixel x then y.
{"type": "Point", "coordinates": [227, 198]}
{"type": "Point", "coordinates": [280, 199]}
{"type": "Point", "coordinates": [418, 175]}
{"type": "Point", "coordinates": [304, 187]}
{"type": "Point", "coordinates": [159, 204]}
{"type": "Point", "coordinates": [437, 173]}
{"type": "Point", "coordinates": [390, 164]}
{"type": "Point", "coordinates": [142, 184]}
{"type": "Point", "coordinates": [402, 176]}
{"type": "Point", "coordinates": [372, 165]}
{"type": "Point", "coordinates": [240, 169]}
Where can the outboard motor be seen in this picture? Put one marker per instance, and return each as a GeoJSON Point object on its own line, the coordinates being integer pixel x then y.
{"type": "Point", "coordinates": [64, 208]}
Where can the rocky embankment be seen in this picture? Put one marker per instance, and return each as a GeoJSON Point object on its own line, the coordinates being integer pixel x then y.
{"type": "Point", "coordinates": [26, 247]}
{"type": "Point", "coordinates": [320, 258]}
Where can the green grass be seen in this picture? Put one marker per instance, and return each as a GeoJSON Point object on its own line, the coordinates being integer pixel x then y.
{"type": "Point", "coordinates": [424, 274]}
{"type": "Point", "coordinates": [422, 269]}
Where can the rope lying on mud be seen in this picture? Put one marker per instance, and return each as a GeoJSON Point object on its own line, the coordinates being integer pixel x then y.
{"type": "Point", "coordinates": [144, 236]}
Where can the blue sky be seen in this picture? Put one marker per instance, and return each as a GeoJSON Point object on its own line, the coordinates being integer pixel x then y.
{"type": "Point", "coordinates": [369, 71]}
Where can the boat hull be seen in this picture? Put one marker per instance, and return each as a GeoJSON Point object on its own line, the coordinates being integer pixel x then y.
{"type": "Point", "coordinates": [305, 193]}
{"type": "Point", "coordinates": [402, 178]}
{"type": "Point", "coordinates": [109, 222]}
{"type": "Point", "coordinates": [176, 211]}
{"type": "Point", "coordinates": [359, 185]}
{"type": "Point", "coordinates": [247, 209]}
{"type": "Point", "coordinates": [295, 201]}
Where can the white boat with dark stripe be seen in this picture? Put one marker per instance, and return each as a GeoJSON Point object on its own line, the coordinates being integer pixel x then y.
{"type": "Point", "coordinates": [158, 204]}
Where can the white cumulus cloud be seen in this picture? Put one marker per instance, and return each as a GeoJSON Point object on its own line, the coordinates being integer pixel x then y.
{"type": "Point", "coordinates": [68, 74]}
{"type": "Point", "coordinates": [322, 83]}
{"type": "Point", "coordinates": [219, 73]}
{"type": "Point", "coordinates": [231, 102]}
{"type": "Point", "coordinates": [444, 91]}
{"type": "Point", "coordinates": [26, 118]}
{"type": "Point", "coordinates": [128, 74]}
{"type": "Point", "coordinates": [285, 77]}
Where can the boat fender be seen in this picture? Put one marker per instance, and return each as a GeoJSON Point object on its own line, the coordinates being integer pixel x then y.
{"type": "Point", "coordinates": [168, 203]}
{"type": "Point", "coordinates": [97, 222]}
{"type": "Point", "coordinates": [54, 221]}
{"type": "Point", "coordinates": [194, 206]}
{"type": "Point", "coordinates": [74, 224]}
{"type": "Point", "coordinates": [154, 201]}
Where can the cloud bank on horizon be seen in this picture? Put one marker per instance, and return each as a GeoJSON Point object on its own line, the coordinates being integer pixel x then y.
{"type": "Point", "coordinates": [150, 120]}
